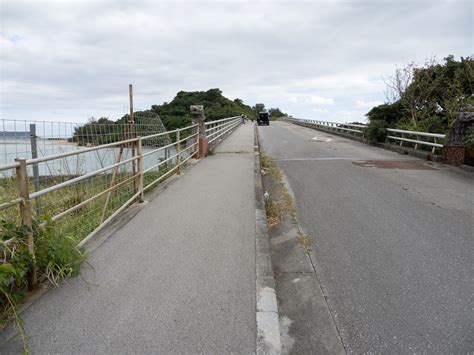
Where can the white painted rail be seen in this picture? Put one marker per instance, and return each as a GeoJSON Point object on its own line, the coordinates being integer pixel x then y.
{"type": "Point", "coordinates": [417, 138]}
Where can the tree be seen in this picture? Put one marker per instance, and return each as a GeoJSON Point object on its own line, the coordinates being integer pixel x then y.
{"type": "Point", "coordinates": [276, 112]}
{"type": "Point", "coordinates": [388, 113]}
{"type": "Point", "coordinates": [259, 108]}
{"type": "Point", "coordinates": [427, 97]}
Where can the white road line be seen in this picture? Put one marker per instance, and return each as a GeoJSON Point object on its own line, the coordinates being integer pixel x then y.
{"type": "Point", "coordinates": [335, 158]}
{"type": "Point", "coordinates": [316, 159]}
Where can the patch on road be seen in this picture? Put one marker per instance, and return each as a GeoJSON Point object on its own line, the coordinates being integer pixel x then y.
{"type": "Point", "coordinates": [393, 164]}
{"type": "Point", "coordinates": [322, 139]}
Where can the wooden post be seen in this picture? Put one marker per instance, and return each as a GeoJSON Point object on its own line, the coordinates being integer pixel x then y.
{"type": "Point", "coordinates": [178, 152]}
{"type": "Point", "coordinates": [26, 219]}
{"type": "Point", "coordinates": [140, 170]}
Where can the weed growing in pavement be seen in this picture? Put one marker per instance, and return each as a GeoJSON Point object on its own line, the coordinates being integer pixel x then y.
{"type": "Point", "coordinates": [305, 241]}
{"type": "Point", "coordinates": [282, 204]}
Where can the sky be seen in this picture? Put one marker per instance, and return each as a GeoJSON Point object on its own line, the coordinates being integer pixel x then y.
{"type": "Point", "coordinates": [325, 60]}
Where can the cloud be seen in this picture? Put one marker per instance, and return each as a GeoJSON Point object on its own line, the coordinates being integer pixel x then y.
{"type": "Point", "coordinates": [367, 104]}
{"type": "Point", "coordinates": [314, 100]}
{"type": "Point", "coordinates": [79, 56]}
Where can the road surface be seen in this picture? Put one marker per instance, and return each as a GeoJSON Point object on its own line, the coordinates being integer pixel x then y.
{"type": "Point", "coordinates": [393, 240]}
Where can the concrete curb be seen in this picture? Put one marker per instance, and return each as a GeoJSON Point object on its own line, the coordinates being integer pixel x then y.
{"type": "Point", "coordinates": [268, 326]}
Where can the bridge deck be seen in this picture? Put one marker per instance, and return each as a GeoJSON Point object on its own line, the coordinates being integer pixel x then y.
{"type": "Point", "coordinates": [392, 245]}
{"type": "Point", "coordinates": [179, 277]}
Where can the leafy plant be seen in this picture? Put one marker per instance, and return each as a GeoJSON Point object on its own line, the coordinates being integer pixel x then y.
{"type": "Point", "coordinates": [376, 131]}
{"type": "Point", "coordinates": [469, 140]}
{"type": "Point", "coordinates": [57, 256]}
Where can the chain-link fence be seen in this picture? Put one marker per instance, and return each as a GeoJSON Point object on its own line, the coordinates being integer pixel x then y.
{"type": "Point", "coordinates": [79, 175]}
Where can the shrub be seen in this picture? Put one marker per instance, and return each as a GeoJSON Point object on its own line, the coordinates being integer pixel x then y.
{"type": "Point", "coordinates": [57, 256]}
{"type": "Point", "coordinates": [376, 131]}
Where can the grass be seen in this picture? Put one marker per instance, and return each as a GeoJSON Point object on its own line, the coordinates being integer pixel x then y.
{"type": "Point", "coordinates": [305, 241]}
{"type": "Point", "coordinates": [277, 206]}
{"type": "Point", "coordinates": [282, 204]}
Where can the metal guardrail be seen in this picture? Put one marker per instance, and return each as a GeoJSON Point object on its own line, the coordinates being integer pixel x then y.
{"type": "Point", "coordinates": [102, 182]}
{"type": "Point", "coordinates": [127, 176]}
{"type": "Point", "coordinates": [218, 128]}
{"type": "Point", "coordinates": [434, 144]}
{"type": "Point", "coordinates": [354, 129]}
{"type": "Point", "coordinates": [432, 139]}
{"type": "Point", "coordinates": [83, 201]}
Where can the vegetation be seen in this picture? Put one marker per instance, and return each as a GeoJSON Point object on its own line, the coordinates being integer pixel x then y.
{"type": "Point", "coordinates": [376, 131]}
{"type": "Point", "coordinates": [104, 131]}
{"type": "Point", "coordinates": [174, 114]}
{"type": "Point", "coordinates": [425, 98]}
{"type": "Point", "coordinates": [276, 207]}
{"type": "Point", "coordinates": [274, 113]}
{"type": "Point", "coordinates": [56, 257]}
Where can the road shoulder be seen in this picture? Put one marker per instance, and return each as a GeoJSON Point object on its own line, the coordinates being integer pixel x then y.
{"type": "Point", "coordinates": [306, 324]}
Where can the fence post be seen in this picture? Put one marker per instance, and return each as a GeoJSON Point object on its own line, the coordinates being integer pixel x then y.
{"type": "Point", "coordinates": [197, 114]}
{"type": "Point", "coordinates": [139, 182]}
{"type": "Point", "coordinates": [178, 152]}
{"type": "Point", "coordinates": [34, 154]}
{"type": "Point", "coordinates": [26, 218]}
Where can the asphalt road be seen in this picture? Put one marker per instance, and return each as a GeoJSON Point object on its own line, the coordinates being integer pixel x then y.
{"type": "Point", "coordinates": [393, 248]}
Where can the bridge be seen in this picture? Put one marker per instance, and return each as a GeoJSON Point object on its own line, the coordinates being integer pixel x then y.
{"type": "Point", "coordinates": [376, 257]}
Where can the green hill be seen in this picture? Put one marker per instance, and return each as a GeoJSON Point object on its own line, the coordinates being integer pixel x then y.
{"type": "Point", "coordinates": [175, 114]}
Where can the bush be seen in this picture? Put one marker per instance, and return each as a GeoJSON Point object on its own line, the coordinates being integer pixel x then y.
{"type": "Point", "coordinates": [57, 256]}
{"type": "Point", "coordinates": [376, 131]}
{"type": "Point", "coordinates": [388, 113]}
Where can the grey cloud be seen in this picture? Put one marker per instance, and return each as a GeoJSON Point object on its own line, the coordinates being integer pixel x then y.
{"type": "Point", "coordinates": [79, 57]}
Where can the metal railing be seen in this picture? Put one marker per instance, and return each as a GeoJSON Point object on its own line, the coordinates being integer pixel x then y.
{"type": "Point", "coordinates": [86, 202]}
{"type": "Point", "coordinates": [418, 141]}
{"type": "Point", "coordinates": [353, 129]}
{"type": "Point", "coordinates": [416, 138]}
{"type": "Point", "coordinates": [217, 129]}
{"type": "Point", "coordinates": [81, 189]}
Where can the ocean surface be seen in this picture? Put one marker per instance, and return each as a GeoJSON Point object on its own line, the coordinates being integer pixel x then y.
{"type": "Point", "coordinates": [74, 165]}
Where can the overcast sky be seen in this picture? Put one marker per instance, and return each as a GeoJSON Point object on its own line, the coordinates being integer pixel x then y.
{"type": "Point", "coordinates": [70, 60]}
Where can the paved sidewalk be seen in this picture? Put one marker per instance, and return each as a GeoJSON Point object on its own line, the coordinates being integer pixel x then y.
{"type": "Point", "coordinates": [179, 277]}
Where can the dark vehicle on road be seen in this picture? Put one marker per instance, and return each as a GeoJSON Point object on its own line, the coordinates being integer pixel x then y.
{"type": "Point", "coordinates": [263, 119]}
